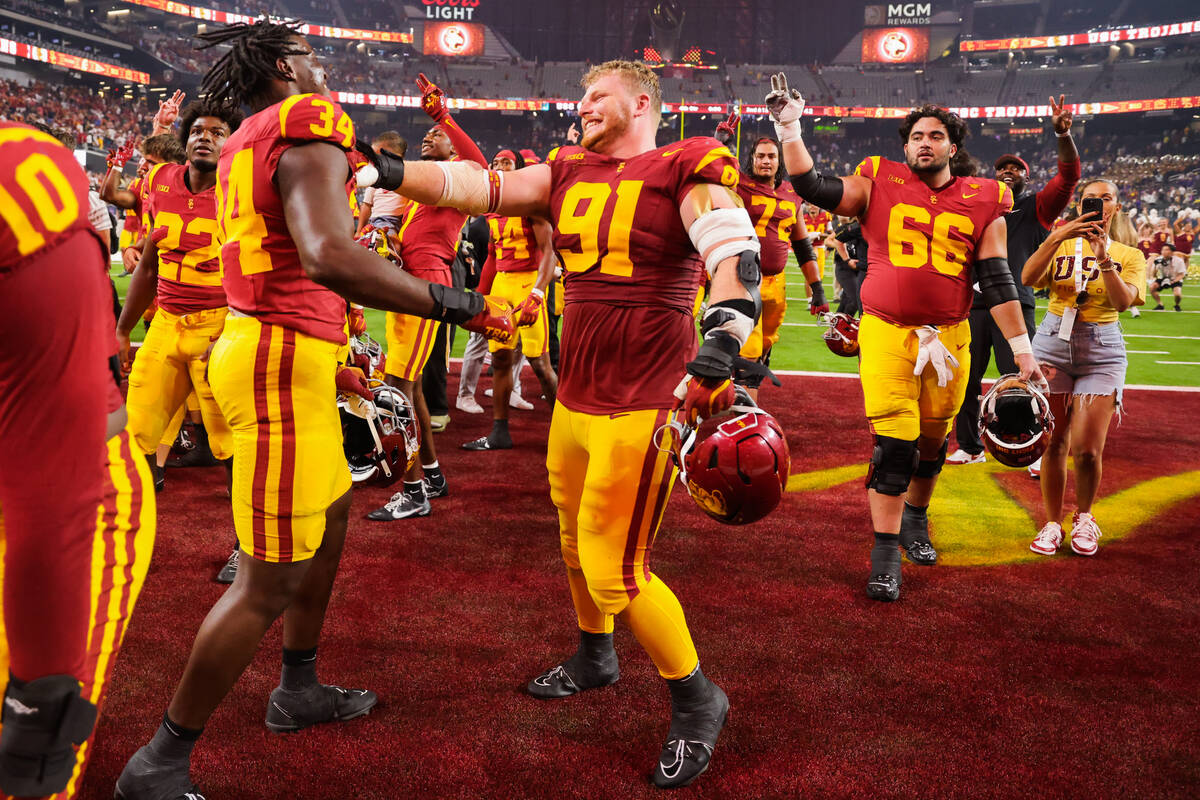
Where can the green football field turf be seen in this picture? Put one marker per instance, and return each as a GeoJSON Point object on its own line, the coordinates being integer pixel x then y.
{"type": "Point", "coordinates": [1163, 346]}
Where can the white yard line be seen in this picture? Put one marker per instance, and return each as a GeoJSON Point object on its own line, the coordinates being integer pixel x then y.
{"type": "Point", "coordinates": [1150, 352]}
{"type": "Point", "coordinates": [1139, 386]}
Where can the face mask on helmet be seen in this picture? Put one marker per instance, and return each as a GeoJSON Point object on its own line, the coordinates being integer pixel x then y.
{"type": "Point", "coordinates": [841, 337]}
{"type": "Point", "coordinates": [380, 439]}
{"type": "Point", "coordinates": [382, 243]}
{"type": "Point", "coordinates": [1015, 422]}
{"type": "Point", "coordinates": [367, 355]}
{"type": "Point", "coordinates": [734, 465]}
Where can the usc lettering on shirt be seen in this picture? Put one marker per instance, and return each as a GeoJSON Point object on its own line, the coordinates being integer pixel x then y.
{"type": "Point", "coordinates": [263, 276]}
{"type": "Point", "coordinates": [773, 210]}
{"type": "Point", "coordinates": [922, 242]}
{"type": "Point", "coordinates": [43, 195]}
{"type": "Point", "coordinates": [630, 270]}
{"type": "Point", "coordinates": [1060, 280]}
{"type": "Point", "coordinates": [514, 243]}
{"type": "Point", "coordinates": [183, 227]}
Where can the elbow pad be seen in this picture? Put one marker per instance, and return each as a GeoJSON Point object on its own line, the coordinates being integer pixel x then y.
{"type": "Point", "coordinates": [995, 281]}
{"type": "Point", "coordinates": [804, 251]}
{"type": "Point", "coordinates": [819, 190]}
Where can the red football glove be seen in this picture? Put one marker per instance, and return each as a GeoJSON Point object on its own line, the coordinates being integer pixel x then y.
{"type": "Point", "coordinates": [527, 312]}
{"type": "Point", "coordinates": [818, 304]}
{"type": "Point", "coordinates": [727, 130]}
{"type": "Point", "coordinates": [120, 157]}
{"type": "Point", "coordinates": [433, 99]}
{"type": "Point", "coordinates": [702, 397]}
{"type": "Point", "coordinates": [352, 381]}
{"type": "Point", "coordinates": [495, 322]}
{"type": "Point", "coordinates": [358, 322]}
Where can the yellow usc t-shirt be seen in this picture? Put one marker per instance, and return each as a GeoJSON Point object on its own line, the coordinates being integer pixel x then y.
{"type": "Point", "coordinates": [1060, 279]}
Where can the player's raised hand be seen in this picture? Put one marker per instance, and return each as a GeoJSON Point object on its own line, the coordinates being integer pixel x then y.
{"type": "Point", "coordinates": [727, 130]}
{"type": "Point", "coordinates": [433, 99]}
{"type": "Point", "coordinates": [785, 104]}
{"type": "Point", "coordinates": [1060, 115]}
{"type": "Point", "coordinates": [120, 157]}
{"type": "Point", "coordinates": [573, 134]}
{"type": "Point", "coordinates": [531, 306]}
{"type": "Point", "coordinates": [168, 110]}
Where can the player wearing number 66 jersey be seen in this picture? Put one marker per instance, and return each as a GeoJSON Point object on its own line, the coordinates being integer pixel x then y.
{"type": "Point", "coordinates": [931, 236]}
{"type": "Point", "coordinates": [634, 224]}
{"type": "Point", "coordinates": [289, 264]}
{"type": "Point", "coordinates": [181, 266]}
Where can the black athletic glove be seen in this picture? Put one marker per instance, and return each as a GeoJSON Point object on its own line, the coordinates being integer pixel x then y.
{"type": "Point", "coordinates": [382, 170]}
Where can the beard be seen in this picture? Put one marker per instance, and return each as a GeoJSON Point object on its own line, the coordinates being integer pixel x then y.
{"type": "Point", "coordinates": [204, 163]}
{"type": "Point", "coordinates": [615, 124]}
{"type": "Point", "coordinates": [935, 166]}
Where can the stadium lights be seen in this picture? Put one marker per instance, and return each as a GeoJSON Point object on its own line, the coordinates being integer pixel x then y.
{"type": "Point", "coordinates": [118, 12]}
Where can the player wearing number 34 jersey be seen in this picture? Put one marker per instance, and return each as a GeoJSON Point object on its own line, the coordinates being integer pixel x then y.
{"type": "Point", "coordinates": [634, 224]}
{"type": "Point", "coordinates": [931, 236]}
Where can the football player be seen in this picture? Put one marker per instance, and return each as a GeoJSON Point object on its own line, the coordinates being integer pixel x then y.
{"type": "Point", "coordinates": [774, 208]}
{"type": "Point", "coordinates": [523, 261]}
{"type": "Point", "coordinates": [181, 269]}
{"type": "Point", "coordinates": [427, 242]}
{"type": "Point", "coordinates": [64, 523]}
{"type": "Point", "coordinates": [931, 236]}
{"type": "Point", "coordinates": [634, 224]}
{"type": "Point", "coordinates": [288, 167]}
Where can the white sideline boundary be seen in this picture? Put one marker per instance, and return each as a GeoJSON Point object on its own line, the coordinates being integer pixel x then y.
{"type": "Point", "coordinates": [1139, 386]}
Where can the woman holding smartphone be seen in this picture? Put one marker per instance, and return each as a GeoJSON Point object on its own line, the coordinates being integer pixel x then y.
{"type": "Point", "coordinates": [1080, 349]}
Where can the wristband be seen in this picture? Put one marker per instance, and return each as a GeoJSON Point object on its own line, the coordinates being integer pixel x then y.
{"type": "Point", "coordinates": [789, 132]}
{"type": "Point", "coordinates": [1020, 345]}
{"type": "Point", "coordinates": [1062, 135]}
{"type": "Point", "coordinates": [1111, 266]}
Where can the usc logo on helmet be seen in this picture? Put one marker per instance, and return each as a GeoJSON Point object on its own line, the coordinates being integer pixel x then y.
{"type": "Point", "coordinates": [713, 503]}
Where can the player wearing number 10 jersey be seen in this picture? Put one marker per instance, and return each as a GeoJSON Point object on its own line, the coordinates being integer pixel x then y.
{"type": "Point", "coordinates": [286, 169]}
{"type": "Point", "coordinates": [634, 225]}
{"type": "Point", "coordinates": [931, 236]}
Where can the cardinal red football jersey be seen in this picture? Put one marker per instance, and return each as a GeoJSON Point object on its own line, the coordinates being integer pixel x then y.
{"type": "Point", "coordinates": [428, 239]}
{"type": "Point", "coordinates": [43, 195]}
{"type": "Point", "coordinates": [630, 270]}
{"type": "Point", "coordinates": [263, 276]}
{"type": "Point", "coordinates": [922, 242]}
{"type": "Point", "coordinates": [513, 243]}
{"type": "Point", "coordinates": [183, 226]}
{"type": "Point", "coordinates": [774, 214]}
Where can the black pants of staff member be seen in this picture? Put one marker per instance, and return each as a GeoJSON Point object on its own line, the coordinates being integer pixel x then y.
{"type": "Point", "coordinates": [850, 280]}
{"type": "Point", "coordinates": [433, 378]}
{"type": "Point", "coordinates": [986, 338]}
{"type": "Point", "coordinates": [553, 320]}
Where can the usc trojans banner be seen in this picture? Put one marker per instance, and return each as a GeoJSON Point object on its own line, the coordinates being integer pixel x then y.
{"type": "Point", "coordinates": [71, 61]}
{"type": "Point", "coordinates": [227, 17]}
{"type": "Point", "coordinates": [1073, 39]}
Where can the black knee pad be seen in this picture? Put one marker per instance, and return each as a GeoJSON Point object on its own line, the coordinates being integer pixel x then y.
{"type": "Point", "coordinates": [44, 721]}
{"type": "Point", "coordinates": [927, 469]}
{"type": "Point", "coordinates": [893, 463]}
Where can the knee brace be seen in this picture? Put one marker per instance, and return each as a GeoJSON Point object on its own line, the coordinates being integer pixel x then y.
{"type": "Point", "coordinates": [927, 469]}
{"type": "Point", "coordinates": [44, 721]}
{"type": "Point", "coordinates": [893, 463]}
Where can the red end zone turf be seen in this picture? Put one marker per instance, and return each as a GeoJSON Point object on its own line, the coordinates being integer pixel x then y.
{"type": "Point", "coordinates": [998, 674]}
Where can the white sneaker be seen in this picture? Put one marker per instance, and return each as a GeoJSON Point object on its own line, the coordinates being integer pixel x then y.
{"type": "Point", "coordinates": [1133, 312]}
{"type": "Point", "coordinates": [961, 456]}
{"type": "Point", "coordinates": [1035, 469]}
{"type": "Point", "coordinates": [469, 404]}
{"type": "Point", "coordinates": [1048, 540]}
{"type": "Point", "coordinates": [516, 401]}
{"type": "Point", "coordinates": [1085, 534]}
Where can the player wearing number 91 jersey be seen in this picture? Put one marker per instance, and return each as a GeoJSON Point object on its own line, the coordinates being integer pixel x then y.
{"type": "Point", "coordinates": [931, 236]}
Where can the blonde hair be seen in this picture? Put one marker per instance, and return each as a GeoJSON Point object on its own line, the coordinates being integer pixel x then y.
{"type": "Point", "coordinates": [637, 76]}
{"type": "Point", "coordinates": [1122, 230]}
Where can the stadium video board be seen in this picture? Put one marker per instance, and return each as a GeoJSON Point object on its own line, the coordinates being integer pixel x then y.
{"type": "Point", "coordinates": [895, 45]}
{"type": "Point", "coordinates": [453, 39]}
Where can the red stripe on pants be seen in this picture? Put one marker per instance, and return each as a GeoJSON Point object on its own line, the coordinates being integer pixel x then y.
{"type": "Point", "coordinates": [287, 436]}
{"type": "Point", "coordinates": [262, 456]}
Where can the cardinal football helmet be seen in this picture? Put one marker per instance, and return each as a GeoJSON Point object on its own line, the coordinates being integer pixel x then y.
{"type": "Point", "coordinates": [841, 337]}
{"type": "Point", "coordinates": [380, 241]}
{"type": "Point", "coordinates": [367, 355]}
{"type": "Point", "coordinates": [381, 439]}
{"type": "Point", "coordinates": [1015, 422]}
{"type": "Point", "coordinates": [735, 464]}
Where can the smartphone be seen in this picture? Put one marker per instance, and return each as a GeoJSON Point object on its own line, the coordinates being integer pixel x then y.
{"type": "Point", "coordinates": [1090, 205]}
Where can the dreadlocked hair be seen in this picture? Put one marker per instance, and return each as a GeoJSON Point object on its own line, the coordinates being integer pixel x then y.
{"type": "Point", "coordinates": [243, 73]}
{"type": "Point", "coordinates": [207, 107]}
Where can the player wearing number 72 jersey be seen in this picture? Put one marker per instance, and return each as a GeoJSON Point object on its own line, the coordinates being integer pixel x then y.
{"type": "Point", "coordinates": [634, 225]}
{"type": "Point", "coordinates": [931, 236]}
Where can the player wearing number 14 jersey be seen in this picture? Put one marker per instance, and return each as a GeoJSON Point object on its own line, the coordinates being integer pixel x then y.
{"type": "Point", "coordinates": [634, 225]}
{"type": "Point", "coordinates": [931, 236]}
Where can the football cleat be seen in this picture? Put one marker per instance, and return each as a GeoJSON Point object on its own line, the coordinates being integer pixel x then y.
{"type": "Point", "coordinates": [229, 572]}
{"type": "Point", "coordinates": [442, 489]}
{"type": "Point", "coordinates": [961, 456]}
{"type": "Point", "coordinates": [914, 537]}
{"type": "Point", "coordinates": [690, 741]}
{"type": "Point", "coordinates": [884, 586]}
{"type": "Point", "coordinates": [557, 682]}
{"type": "Point", "coordinates": [1015, 421]}
{"type": "Point", "coordinates": [1085, 534]}
{"type": "Point", "coordinates": [147, 778]}
{"type": "Point", "coordinates": [484, 443]}
{"type": "Point", "coordinates": [401, 506]}
{"type": "Point", "coordinates": [1035, 469]}
{"type": "Point", "coordinates": [290, 711]}
{"type": "Point", "coordinates": [1048, 540]}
